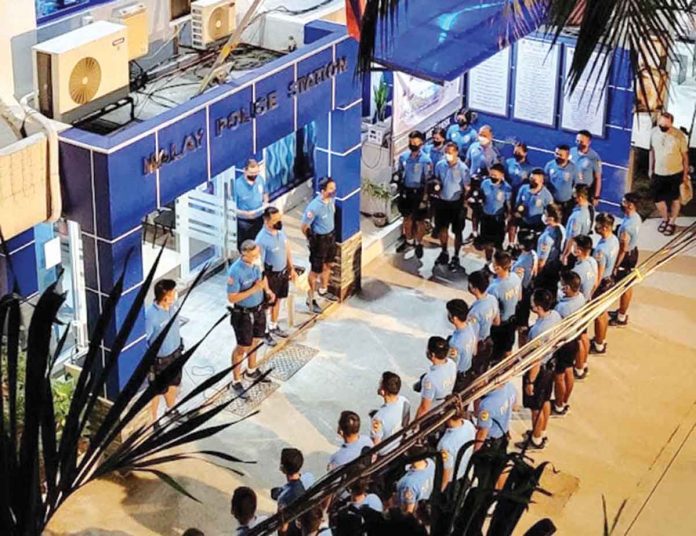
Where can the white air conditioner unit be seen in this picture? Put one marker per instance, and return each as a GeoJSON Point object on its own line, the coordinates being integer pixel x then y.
{"type": "Point", "coordinates": [211, 20]}
{"type": "Point", "coordinates": [81, 71]}
{"type": "Point", "coordinates": [134, 17]}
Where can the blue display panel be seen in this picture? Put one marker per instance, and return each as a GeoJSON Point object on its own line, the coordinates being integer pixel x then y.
{"type": "Point", "coordinates": [290, 160]}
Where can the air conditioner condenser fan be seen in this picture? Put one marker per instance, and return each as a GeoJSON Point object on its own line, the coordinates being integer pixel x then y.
{"type": "Point", "coordinates": [84, 80]}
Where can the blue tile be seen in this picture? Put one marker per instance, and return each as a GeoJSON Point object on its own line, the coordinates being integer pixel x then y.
{"type": "Point", "coordinates": [93, 311]}
{"type": "Point", "coordinates": [279, 122]}
{"type": "Point", "coordinates": [112, 262]}
{"type": "Point", "coordinates": [346, 171]}
{"type": "Point", "coordinates": [89, 252]}
{"type": "Point", "coordinates": [102, 197]}
{"type": "Point", "coordinates": [314, 31]}
{"type": "Point", "coordinates": [322, 130]}
{"type": "Point", "coordinates": [24, 266]}
{"type": "Point", "coordinates": [123, 307]}
{"type": "Point", "coordinates": [348, 86]}
{"type": "Point", "coordinates": [347, 217]}
{"type": "Point", "coordinates": [126, 364]}
{"type": "Point", "coordinates": [314, 99]}
{"type": "Point", "coordinates": [76, 184]}
{"type": "Point", "coordinates": [231, 132]}
{"type": "Point", "coordinates": [20, 240]}
{"type": "Point", "coordinates": [345, 129]}
{"type": "Point", "coordinates": [321, 163]}
{"type": "Point", "coordinates": [620, 108]}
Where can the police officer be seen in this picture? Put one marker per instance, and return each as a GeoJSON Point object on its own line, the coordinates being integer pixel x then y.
{"type": "Point", "coordinates": [462, 133]}
{"type": "Point", "coordinates": [246, 291]}
{"type": "Point", "coordinates": [531, 201]}
{"type": "Point", "coordinates": [517, 172]}
{"type": "Point", "coordinates": [588, 165]}
{"type": "Point", "coordinates": [414, 172]}
{"type": "Point", "coordinates": [483, 313]}
{"type": "Point", "coordinates": [318, 225]}
{"type": "Point", "coordinates": [278, 268]}
{"type": "Point", "coordinates": [549, 249]}
{"type": "Point", "coordinates": [462, 342]}
{"type": "Point", "coordinates": [496, 207]}
{"type": "Point", "coordinates": [560, 175]}
{"type": "Point", "coordinates": [538, 380]}
{"type": "Point", "coordinates": [158, 315]}
{"type": "Point", "coordinates": [438, 381]}
{"type": "Point", "coordinates": [243, 508]}
{"type": "Point", "coordinates": [493, 414]}
{"type": "Point", "coordinates": [354, 443]}
{"type": "Point", "coordinates": [482, 154]}
{"type": "Point", "coordinates": [586, 268]}
{"type": "Point", "coordinates": [506, 287]}
{"type": "Point", "coordinates": [435, 148]}
{"type": "Point", "coordinates": [459, 436]}
{"type": "Point", "coordinates": [579, 223]}
{"type": "Point", "coordinates": [571, 301]}
{"type": "Point", "coordinates": [394, 414]}
{"type": "Point", "coordinates": [452, 181]}
{"type": "Point", "coordinates": [628, 254]}
{"type": "Point", "coordinates": [417, 484]}
{"type": "Point", "coordinates": [605, 253]}
{"type": "Point", "coordinates": [291, 461]}
{"type": "Point", "coordinates": [525, 267]}
{"type": "Point", "coordinates": [250, 196]}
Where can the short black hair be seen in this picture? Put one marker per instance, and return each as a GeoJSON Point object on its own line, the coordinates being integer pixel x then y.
{"type": "Point", "coordinates": [542, 298]}
{"type": "Point", "coordinates": [527, 239]}
{"type": "Point", "coordinates": [439, 130]}
{"type": "Point", "coordinates": [349, 423]}
{"type": "Point", "coordinates": [468, 115]}
{"type": "Point", "coordinates": [586, 133]}
{"type": "Point", "coordinates": [583, 242]}
{"type": "Point", "coordinates": [310, 521]}
{"type": "Point", "coordinates": [458, 308]}
{"type": "Point", "coordinates": [391, 382]}
{"type": "Point", "coordinates": [571, 279]}
{"type": "Point", "coordinates": [632, 197]}
{"type": "Point", "coordinates": [359, 487]}
{"type": "Point", "coordinates": [538, 171]}
{"type": "Point", "coordinates": [193, 532]}
{"type": "Point", "coordinates": [324, 183]}
{"type": "Point", "coordinates": [605, 219]}
{"type": "Point", "coordinates": [563, 147]}
{"type": "Point", "coordinates": [451, 145]}
{"type": "Point", "coordinates": [667, 115]}
{"type": "Point", "coordinates": [416, 134]}
{"type": "Point", "coordinates": [503, 259]}
{"type": "Point", "coordinates": [522, 145]}
{"type": "Point", "coordinates": [291, 460]}
{"type": "Point", "coordinates": [497, 167]}
{"type": "Point", "coordinates": [552, 211]}
{"type": "Point", "coordinates": [163, 287]}
{"type": "Point", "coordinates": [581, 190]}
{"type": "Point", "coordinates": [438, 347]}
{"type": "Point", "coordinates": [269, 212]}
{"type": "Point", "coordinates": [479, 280]}
{"type": "Point", "coordinates": [419, 449]}
{"type": "Point", "coordinates": [244, 504]}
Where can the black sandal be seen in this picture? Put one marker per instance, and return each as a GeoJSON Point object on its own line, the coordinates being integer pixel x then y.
{"type": "Point", "coordinates": [663, 226]}
{"type": "Point", "coordinates": [669, 229]}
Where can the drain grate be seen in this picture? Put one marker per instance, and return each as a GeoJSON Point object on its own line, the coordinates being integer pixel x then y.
{"type": "Point", "coordinates": [286, 362]}
{"type": "Point", "coordinates": [257, 394]}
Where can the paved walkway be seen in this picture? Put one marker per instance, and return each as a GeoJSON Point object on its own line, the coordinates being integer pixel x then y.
{"type": "Point", "coordinates": [629, 435]}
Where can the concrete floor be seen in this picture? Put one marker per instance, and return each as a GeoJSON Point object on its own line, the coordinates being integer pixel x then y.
{"type": "Point", "coordinates": [629, 435]}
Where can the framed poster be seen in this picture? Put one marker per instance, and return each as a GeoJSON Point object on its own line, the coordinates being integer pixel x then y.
{"type": "Point", "coordinates": [536, 82]}
{"type": "Point", "coordinates": [586, 107]}
{"type": "Point", "coordinates": [489, 85]}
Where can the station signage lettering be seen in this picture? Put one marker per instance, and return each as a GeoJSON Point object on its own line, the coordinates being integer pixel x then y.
{"type": "Point", "coordinates": [174, 152]}
{"type": "Point", "coordinates": [245, 114]}
{"type": "Point", "coordinates": [318, 76]}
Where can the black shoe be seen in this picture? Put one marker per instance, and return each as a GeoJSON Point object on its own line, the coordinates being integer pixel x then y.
{"type": "Point", "coordinates": [327, 296]}
{"type": "Point", "coordinates": [613, 314]}
{"type": "Point", "coordinates": [270, 341]}
{"type": "Point", "coordinates": [442, 258]}
{"type": "Point", "coordinates": [419, 251]}
{"type": "Point", "coordinates": [403, 246]}
{"type": "Point", "coordinates": [256, 376]}
{"type": "Point", "coordinates": [278, 332]}
{"type": "Point", "coordinates": [530, 445]}
{"type": "Point", "coordinates": [616, 322]}
{"type": "Point", "coordinates": [559, 412]}
{"type": "Point", "coordinates": [454, 264]}
{"type": "Point", "coordinates": [581, 375]}
{"type": "Point", "coordinates": [313, 306]}
{"type": "Point", "coordinates": [595, 349]}
{"type": "Point", "coordinates": [239, 390]}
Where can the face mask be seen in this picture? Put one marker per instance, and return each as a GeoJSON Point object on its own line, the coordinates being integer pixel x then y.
{"type": "Point", "coordinates": [560, 161]}
{"type": "Point", "coordinates": [496, 180]}
{"type": "Point", "coordinates": [484, 141]}
{"type": "Point", "coordinates": [278, 225]}
{"type": "Point", "coordinates": [663, 128]}
{"type": "Point", "coordinates": [544, 219]}
{"type": "Point", "coordinates": [534, 185]}
{"type": "Point", "coordinates": [450, 158]}
{"type": "Point", "coordinates": [462, 123]}
{"type": "Point", "coordinates": [437, 143]}
{"type": "Point", "coordinates": [581, 146]}
{"type": "Point", "coordinates": [413, 147]}
{"type": "Point", "coordinates": [251, 178]}
{"type": "Point", "coordinates": [519, 157]}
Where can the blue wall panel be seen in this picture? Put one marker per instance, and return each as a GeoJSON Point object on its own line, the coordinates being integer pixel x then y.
{"type": "Point", "coordinates": [120, 314]}
{"type": "Point", "coordinates": [348, 86]}
{"type": "Point", "coordinates": [322, 131]}
{"type": "Point", "coordinates": [112, 261]}
{"type": "Point", "coordinates": [279, 122]}
{"type": "Point", "coordinates": [346, 171]}
{"type": "Point", "coordinates": [315, 100]}
{"type": "Point", "coordinates": [347, 217]}
{"type": "Point", "coordinates": [89, 253]}
{"type": "Point", "coordinates": [229, 144]}
{"type": "Point", "coordinates": [345, 129]}
{"type": "Point", "coordinates": [321, 163]}
{"type": "Point", "coordinates": [23, 262]}
{"type": "Point", "coordinates": [76, 184]}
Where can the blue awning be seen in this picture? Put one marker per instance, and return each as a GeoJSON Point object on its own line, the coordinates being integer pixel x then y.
{"type": "Point", "coordinates": [439, 40]}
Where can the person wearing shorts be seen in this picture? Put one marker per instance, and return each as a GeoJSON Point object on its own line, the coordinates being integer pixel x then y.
{"type": "Point", "coordinates": [506, 287]}
{"type": "Point", "coordinates": [525, 267]}
{"type": "Point", "coordinates": [560, 180]}
{"type": "Point", "coordinates": [605, 253]}
{"type": "Point", "coordinates": [250, 196]}
{"type": "Point", "coordinates": [247, 289]}
{"type": "Point", "coordinates": [496, 207]}
{"type": "Point", "coordinates": [158, 316]}
{"type": "Point", "coordinates": [531, 201]}
{"type": "Point", "coordinates": [628, 255]}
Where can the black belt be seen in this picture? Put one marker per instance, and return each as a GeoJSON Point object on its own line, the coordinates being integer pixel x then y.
{"type": "Point", "coordinates": [245, 310]}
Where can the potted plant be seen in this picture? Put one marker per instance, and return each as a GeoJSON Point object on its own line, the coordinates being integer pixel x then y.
{"type": "Point", "coordinates": [380, 93]}
{"type": "Point", "coordinates": [380, 195]}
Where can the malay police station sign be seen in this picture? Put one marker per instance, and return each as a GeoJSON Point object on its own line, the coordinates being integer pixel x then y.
{"type": "Point", "coordinates": [244, 114]}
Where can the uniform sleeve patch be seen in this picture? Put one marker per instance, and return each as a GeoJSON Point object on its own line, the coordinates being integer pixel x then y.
{"type": "Point", "coordinates": [484, 415]}
{"type": "Point", "coordinates": [310, 214]}
{"type": "Point", "coordinates": [427, 384]}
{"type": "Point", "coordinates": [445, 455]}
{"type": "Point", "coordinates": [376, 425]}
{"type": "Point", "coordinates": [230, 280]}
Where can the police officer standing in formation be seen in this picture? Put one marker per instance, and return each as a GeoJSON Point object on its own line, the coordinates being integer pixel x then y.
{"type": "Point", "coordinates": [354, 443]}
{"type": "Point", "coordinates": [278, 268]}
{"type": "Point", "coordinates": [438, 381]}
{"type": "Point", "coordinates": [549, 248]}
{"type": "Point", "coordinates": [531, 201]}
{"type": "Point", "coordinates": [462, 133]}
{"type": "Point", "coordinates": [588, 165]}
{"type": "Point", "coordinates": [414, 172]}
{"type": "Point", "coordinates": [394, 414]}
{"type": "Point", "coordinates": [462, 342]}
{"type": "Point", "coordinates": [526, 267]}
{"type": "Point", "coordinates": [561, 175]}
{"type": "Point", "coordinates": [482, 154]}
{"type": "Point", "coordinates": [517, 172]}
{"type": "Point", "coordinates": [605, 253]}
{"type": "Point", "coordinates": [247, 289]}
{"type": "Point", "coordinates": [318, 225]}
{"type": "Point", "coordinates": [483, 313]}
{"type": "Point", "coordinates": [586, 268]}
{"type": "Point", "coordinates": [579, 223]}
{"type": "Point", "coordinates": [506, 287]}
{"type": "Point", "coordinates": [451, 183]}
{"type": "Point", "coordinates": [493, 414]}
{"type": "Point", "coordinates": [435, 148]}
{"type": "Point", "coordinates": [627, 259]}
{"type": "Point", "coordinates": [496, 195]}
{"type": "Point", "coordinates": [459, 432]}
{"type": "Point", "coordinates": [251, 197]}
{"type": "Point", "coordinates": [417, 484]}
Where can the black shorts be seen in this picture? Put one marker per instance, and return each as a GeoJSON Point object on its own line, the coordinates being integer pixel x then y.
{"type": "Point", "coordinates": [565, 356]}
{"type": "Point", "coordinates": [665, 188]}
{"type": "Point", "coordinates": [604, 285]}
{"type": "Point", "coordinates": [543, 386]}
{"type": "Point", "coordinates": [482, 358]}
{"type": "Point", "coordinates": [524, 307]}
{"type": "Point", "coordinates": [503, 337]}
{"type": "Point", "coordinates": [492, 230]}
{"type": "Point", "coordinates": [629, 262]}
{"type": "Point", "coordinates": [449, 214]}
{"type": "Point", "coordinates": [248, 324]}
{"type": "Point", "coordinates": [279, 283]}
{"type": "Point", "coordinates": [410, 203]}
{"type": "Point", "coordinates": [322, 250]}
{"type": "Point", "coordinates": [158, 367]}
{"type": "Point", "coordinates": [533, 224]}
{"type": "Point", "coordinates": [549, 276]}
{"type": "Point", "coordinates": [248, 230]}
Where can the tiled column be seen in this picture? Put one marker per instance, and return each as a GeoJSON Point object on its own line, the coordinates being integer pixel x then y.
{"type": "Point", "coordinates": [23, 257]}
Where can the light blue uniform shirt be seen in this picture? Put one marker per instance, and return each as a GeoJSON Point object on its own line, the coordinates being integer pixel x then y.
{"type": "Point", "coordinates": [156, 319]}
{"type": "Point", "coordinates": [524, 267]}
{"type": "Point", "coordinates": [454, 179]}
{"type": "Point", "coordinates": [435, 153]}
{"type": "Point", "coordinates": [605, 253]}
{"type": "Point", "coordinates": [438, 382]}
{"type": "Point", "coordinates": [586, 165]}
{"type": "Point", "coordinates": [550, 244]}
{"type": "Point", "coordinates": [273, 248]}
{"type": "Point", "coordinates": [389, 419]}
{"type": "Point", "coordinates": [371, 501]}
{"type": "Point", "coordinates": [481, 315]}
{"type": "Point", "coordinates": [534, 203]}
{"type": "Point", "coordinates": [561, 180]}
{"type": "Point", "coordinates": [242, 276]}
{"type": "Point", "coordinates": [587, 270]}
{"type": "Point", "coordinates": [495, 196]}
{"type": "Point", "coordinates": [631, 226]}
{"type": "Point", "coordinates": [416, 485]}
{"type": "Point", "coordinates": [517, 172]}
{"type": "Point", "coordinates": [452, 441]}
{"type": "Point", "coordinates": [320, 215]}
{"type": "Point", "coordinates": [415, 171]}
{"type": "Point", "coordinates": [508, 292]}
{"type": "Point", "coordinates": [541, 325]}
{"type": "Point", "coordinates": [249, 195]}
{"type": "Point", "coordinates": [463, 341]}
{"type": "Point", "coordinates": [349, 452]}
{"type": "Point", "coordinates": [567, 306]}
{"type": "Point", "coordinates": [579, 222]}
{"type": "Point", "coordinates": [495, 410]}
{"type": "Point", "coordinates": [480, 157]}
{"type": "Point", "coordinates": [463, 138]}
